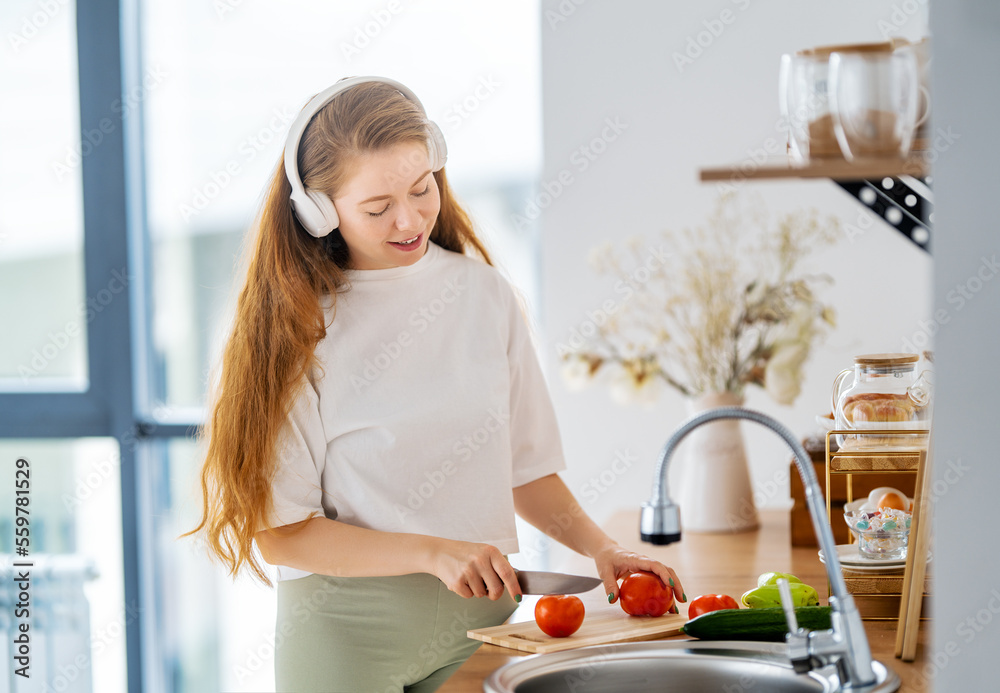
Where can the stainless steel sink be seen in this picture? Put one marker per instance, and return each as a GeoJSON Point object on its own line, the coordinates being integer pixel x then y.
{"type": "Point", "coordinates": [665, 666]}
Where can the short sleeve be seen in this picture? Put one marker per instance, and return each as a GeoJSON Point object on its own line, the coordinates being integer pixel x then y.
{"type": "Point", "coordinates": [297, 490]}
{"type": "Point", "coordinates": [535, 443]}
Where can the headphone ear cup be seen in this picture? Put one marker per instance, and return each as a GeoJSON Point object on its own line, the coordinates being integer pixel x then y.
{"type": "Point", "coordinates": [436, 146]}
{"type": "Point", "coordinates": [315, 211]}
{"type": "Point", "coordinates": [324, 204]}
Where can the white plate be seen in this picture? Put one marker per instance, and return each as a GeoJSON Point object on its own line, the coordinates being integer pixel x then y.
{"type": "Point", "coordinates": [825, 422]}
{"type": "Point", "coordinates": [849, 555]}
{"type": "Point", "coordinates": [872, 569]}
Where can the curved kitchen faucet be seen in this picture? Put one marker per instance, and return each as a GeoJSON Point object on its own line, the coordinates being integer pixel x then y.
{"type": "Point", "coordinates": [845, 644]}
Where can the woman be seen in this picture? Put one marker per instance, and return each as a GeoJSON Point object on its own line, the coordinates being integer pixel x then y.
{"type": "Point", "coordinates": [381, 414]}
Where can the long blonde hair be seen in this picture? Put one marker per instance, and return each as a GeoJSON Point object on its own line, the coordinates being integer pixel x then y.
{"type": "Point", "coordinates": [280, 319]}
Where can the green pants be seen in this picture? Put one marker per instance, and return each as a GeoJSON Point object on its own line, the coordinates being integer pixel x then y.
{"type": "Point", "coordinates": [375, 635]}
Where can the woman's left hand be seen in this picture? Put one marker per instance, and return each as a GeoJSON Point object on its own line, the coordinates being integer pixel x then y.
{"type": "Point", "coordinates": [614, 563]}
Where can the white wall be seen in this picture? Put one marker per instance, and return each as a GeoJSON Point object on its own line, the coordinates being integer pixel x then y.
{"type": "Point", "coordinates": [967, 475]}
{"type": "Point", "coordinates": [614, 60]}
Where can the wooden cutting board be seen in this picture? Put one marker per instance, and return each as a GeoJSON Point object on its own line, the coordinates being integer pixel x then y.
{"type": "Point", "coordinates": [599, 628]}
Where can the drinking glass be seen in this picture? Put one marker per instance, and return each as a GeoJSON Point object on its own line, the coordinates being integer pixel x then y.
{"type": "Point", "coordinates": [802, 97]}
{"type": "Point", "coordinates": [873, 102]}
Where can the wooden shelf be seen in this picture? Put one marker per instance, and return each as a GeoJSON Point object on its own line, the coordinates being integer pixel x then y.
{"type": "Point", "coordinates": [835, 169]}
{"type": "Point", "coordinates": [874, 462]}
{"type": "Point", "coordinates": [894, 189]}
{"type": "Point", "coordinates": [880, 584]}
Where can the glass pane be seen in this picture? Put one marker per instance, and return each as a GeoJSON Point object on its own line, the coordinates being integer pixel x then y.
{"type": "Point", "coordinates": [213, 634]}
{"type": "Point", "coordinates": [42, 304]}
{"type": "Point", "coordinates": [213, 136]}
{"type": "Point", "coordinates": [72, 536]}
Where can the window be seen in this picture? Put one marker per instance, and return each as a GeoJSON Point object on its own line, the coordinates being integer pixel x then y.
{"type": "Point", "coordinates": [41, 230]}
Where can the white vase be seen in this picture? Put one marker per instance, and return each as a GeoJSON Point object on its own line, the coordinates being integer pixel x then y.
{"type": "Point", "coordinates": [715, 494]}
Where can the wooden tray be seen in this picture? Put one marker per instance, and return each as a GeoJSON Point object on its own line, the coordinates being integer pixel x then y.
{"type": "Point", "coordinates": [598, 628]}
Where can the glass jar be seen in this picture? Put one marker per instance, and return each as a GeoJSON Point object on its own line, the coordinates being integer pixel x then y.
{"type": "Point", "coordinates": [883, 392]}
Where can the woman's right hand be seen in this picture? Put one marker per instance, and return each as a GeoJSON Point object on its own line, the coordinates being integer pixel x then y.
{"type": "Point", "coordinates": [474, 570]}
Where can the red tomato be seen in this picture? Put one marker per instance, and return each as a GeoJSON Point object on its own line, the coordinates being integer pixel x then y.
{"type": "Point", "coordinates": [643, 594]}
{"type": "Point", "coordinates": [559, 615]}
{"type": "Point", "coordinates": [711, 602]}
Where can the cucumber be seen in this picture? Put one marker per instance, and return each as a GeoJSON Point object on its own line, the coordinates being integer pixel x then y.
{"type": "Point", "coordinates": [754, 624]}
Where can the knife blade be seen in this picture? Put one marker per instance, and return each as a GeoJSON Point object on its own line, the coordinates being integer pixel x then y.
{"type": "Point", "coordinates": [542, 582]}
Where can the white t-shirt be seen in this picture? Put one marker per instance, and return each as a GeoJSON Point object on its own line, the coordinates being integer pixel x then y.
{"type": "Point", "coordinates": [429, 408]}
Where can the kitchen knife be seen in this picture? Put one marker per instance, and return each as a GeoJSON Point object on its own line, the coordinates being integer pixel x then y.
{"type": "Point", "coordinates": [541, 582]}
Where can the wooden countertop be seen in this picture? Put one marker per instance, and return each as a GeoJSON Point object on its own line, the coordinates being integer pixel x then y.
{"type": "Point", "coordinates": [709, 564]}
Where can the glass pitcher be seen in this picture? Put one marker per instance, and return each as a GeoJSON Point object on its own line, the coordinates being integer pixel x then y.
{"type": "Point", "coordinates": [883, 392]}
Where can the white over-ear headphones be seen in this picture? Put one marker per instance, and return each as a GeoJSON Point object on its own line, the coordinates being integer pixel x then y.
{"type": "Point", "coordinates": [314, 209]}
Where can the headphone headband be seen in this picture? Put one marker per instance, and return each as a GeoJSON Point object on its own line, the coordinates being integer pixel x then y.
{"type": "Point", "coordinates": [314, 209]}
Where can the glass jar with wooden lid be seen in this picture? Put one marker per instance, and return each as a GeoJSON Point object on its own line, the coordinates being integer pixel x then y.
{"type": "Point", "coordinates": [883, 392]}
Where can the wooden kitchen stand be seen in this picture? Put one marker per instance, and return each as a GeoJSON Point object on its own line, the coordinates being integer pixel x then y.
{"type": "Point", "coordinates": [803, 533]}
{"type": "Point", "coordinates": [887, 596]}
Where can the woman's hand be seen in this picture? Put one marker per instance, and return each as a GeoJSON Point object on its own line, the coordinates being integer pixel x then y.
{"type": "Point", "coordinates": [474, 570]}
{"type": "Point", "coordinates": [614, 563]}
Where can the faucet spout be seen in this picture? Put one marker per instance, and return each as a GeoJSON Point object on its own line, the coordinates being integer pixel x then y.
{"type": "Point", "coordinates": [660, 524]}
